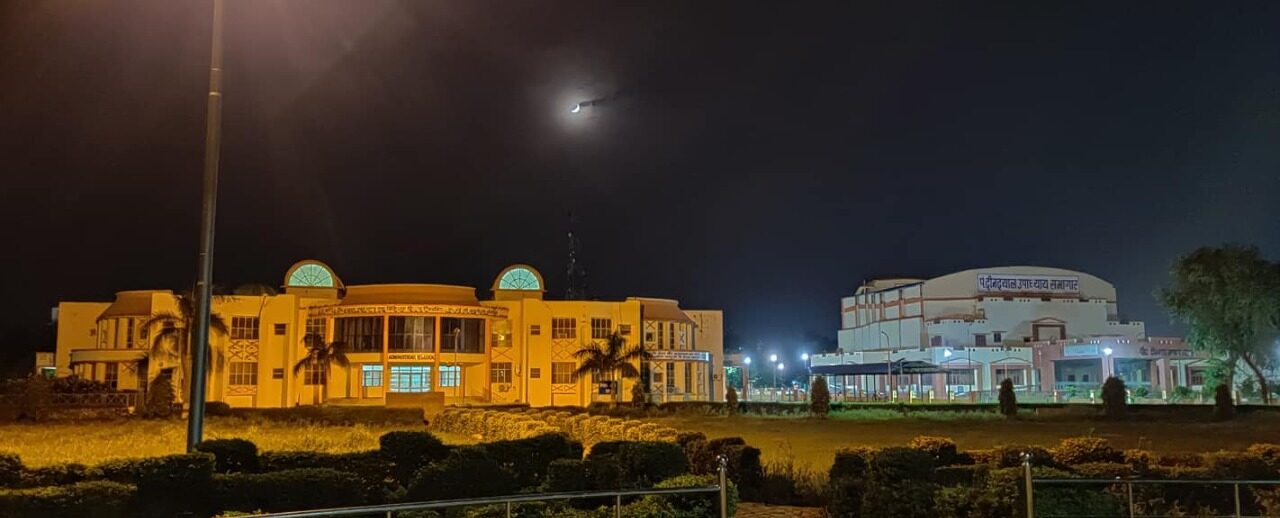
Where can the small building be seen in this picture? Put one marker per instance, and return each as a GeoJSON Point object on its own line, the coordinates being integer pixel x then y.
{"type": "Point", "coordinates": [401, 341]}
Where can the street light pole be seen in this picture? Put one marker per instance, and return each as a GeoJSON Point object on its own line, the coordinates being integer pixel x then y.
{"type": "Point", "coordinates": [888, 356]}
{"type": "Point", "coordinates": [208, 209]}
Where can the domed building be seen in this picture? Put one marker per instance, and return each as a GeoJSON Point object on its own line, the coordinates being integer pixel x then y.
{"type": "Point", "coordinates": [400, 343]}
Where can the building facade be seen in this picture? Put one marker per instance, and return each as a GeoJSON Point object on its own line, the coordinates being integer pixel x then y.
{"type": "Point", "coordinates": [1046, 329]}
{"type": "Point", "coordinates": [402, 342]}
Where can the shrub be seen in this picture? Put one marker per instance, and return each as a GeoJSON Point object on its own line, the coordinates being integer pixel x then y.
{"type": "Point", "coordinates": [850, 462]}
{"type": "Point", "coordinates": [528, 459]}
{"type": "Point", "coordinates": [160, 398]}
{"type": "Point", "coordinates": [1224, 407]}
{"type": "Point", "coordinates": [371, 466]}
{"type": "Point", "coordinates": [1181, 393]}
{"type": "Point", "coordinates": [217, 409]}
{"type": "Point", "coordinates": [1238, 465]}
{"type": "Point", "coordinates": [731, 401]}
{"type": "Point", "coordinates": [568, 475]}
{"type": "Point", "coordinates": [1010, 456]}
{"type": "Point", "coordinates": [1102, 470]}
{"type": "Point", "coordinates": [1079, 450]}
{"type": "Point", "coordinates": [638, 395]}
{"type": "Point", "coordinates": [167, 485]}
{"type": "Point", "coordinates": [1008, 400]}
{"type": "Point", "coordinates": [1113, 398]}
{"type": "Point", "coordinates": [231, 455]}
{"type": "Point", "coordinates": [34, 398]}
{"type": "Point", "coordinates": [464, 473]}
{"type": "Point", "coordinates": [819, 397]}
{"type": "Point", "coordinates": [1267, 453]}
{"type": "Point", "coordinates": [899, 482]}
{"type": "Point", "coordinates": [961, 475]}
{"type": "Point", "coordinates": [691, 505]}
{"type": "Point", "coordinates": [1058, 502]}
{"type": "Point", "coordinates": [74, 384]}
{"type": "Point", "coordinates": [55, 475]}
{"type": "Point", "coordinates": [410, 451]}
{"type": "Point", "coordinates": [289, 490]}
{"type": "Point", "coordinates": [637, 464]}
{"type": "Point", "coordinates": [100, 499]}
{"type": "Point", "coordinates": [941, 449]}
{"type": "Point", "coordinates": [10, 470]}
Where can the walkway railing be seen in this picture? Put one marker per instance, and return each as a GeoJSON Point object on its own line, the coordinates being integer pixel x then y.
{"type": "Point", "coordinates": [1131, 507]}
{"type": "Point", "coordinates": [509, 501]}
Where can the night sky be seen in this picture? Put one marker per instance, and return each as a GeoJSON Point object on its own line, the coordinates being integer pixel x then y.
{"type": "Point", "coordinates": [760, 158]}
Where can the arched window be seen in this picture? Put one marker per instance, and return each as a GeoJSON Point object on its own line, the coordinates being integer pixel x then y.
{"type": "Point", "coordinates": [311, 275]}
{"type": "Point", "coordinates": [519, 278]}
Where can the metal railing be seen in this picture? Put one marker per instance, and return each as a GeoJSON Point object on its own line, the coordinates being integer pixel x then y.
{"type": "Point", "coordinates": [508, 501]}
{"type": "Point", "coordinates": [1131, 507]}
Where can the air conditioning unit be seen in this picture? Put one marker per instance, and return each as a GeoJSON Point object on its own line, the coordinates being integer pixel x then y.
{"type": "Point", "coordinates": [504, 387]}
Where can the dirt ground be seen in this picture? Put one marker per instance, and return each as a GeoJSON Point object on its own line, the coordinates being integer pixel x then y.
{"type": "Point", "coordinates": [814, 441]}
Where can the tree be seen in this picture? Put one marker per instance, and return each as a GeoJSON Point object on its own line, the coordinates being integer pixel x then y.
{"type": "Point", "coordinates": [731, 401]}
{"type": "Point", "coordinates": [320, 358]}
{"type": "Point", "coordinates": [1229, 297]}
{"type": "Point", "coordinates": [819, 397]}
{"type": "Point", "coordinates": [1224, 408]}
{"type": "Point", "coordinates": [1008, 400]}
{"type": "Point", "coordinates": [612, 361]}
{"type": "Point", "coordinates": [1113, 398]}
{"type": "Point", "coordinates": [160, 397]}
{"type": "Point", "coordinates": [172, 341]}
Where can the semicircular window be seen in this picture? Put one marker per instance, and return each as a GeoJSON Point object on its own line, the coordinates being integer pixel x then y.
{"type": "Point", "coordinates": [311, 276]}
{"type": "Point", "coordinates": [519, 279]}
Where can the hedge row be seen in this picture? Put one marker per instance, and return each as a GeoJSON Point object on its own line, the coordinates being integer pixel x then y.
{"type": "Point", "coordinates": [931, 478]}
{"type": "Point", "coordinates": [525, 423]}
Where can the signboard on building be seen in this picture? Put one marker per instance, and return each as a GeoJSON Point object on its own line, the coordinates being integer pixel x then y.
{"type": "Point", "coordinates": [1020, 283]}
{"type": "Point", "coordinates": [675, 355]}
{"type": "Point", "coordinates": [1166, 353]}
{"type": "Point", "coordinates": [410, 356]}
{"type": "Point", "coordinates": [1080, 350]}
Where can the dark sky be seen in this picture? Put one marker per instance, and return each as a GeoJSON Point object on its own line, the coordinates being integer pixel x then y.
{"type": "Point", "coordinates": [760, 158]}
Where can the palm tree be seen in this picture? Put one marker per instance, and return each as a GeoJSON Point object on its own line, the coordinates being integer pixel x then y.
{"type": "Point", "coordinates": [321, 356]}
{"type": "Point", "coordinates": [611, 360]}
{"type": "Point", "coordinates": [173, 340]}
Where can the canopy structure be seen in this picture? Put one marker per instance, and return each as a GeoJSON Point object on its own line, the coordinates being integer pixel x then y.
{"type": "Point", "coordinates": [877, 369]}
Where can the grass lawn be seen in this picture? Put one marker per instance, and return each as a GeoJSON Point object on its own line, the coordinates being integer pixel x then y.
{"type": "Point", "coordinates": [814, 441]}
{"type": "Point", "coordinates": [93, 441]}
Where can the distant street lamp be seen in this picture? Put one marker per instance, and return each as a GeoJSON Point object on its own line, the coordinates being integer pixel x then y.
{"type": "Point", "coordinates": [1106, 358]}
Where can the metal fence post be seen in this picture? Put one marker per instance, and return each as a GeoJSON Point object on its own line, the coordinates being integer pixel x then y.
{"type": "Point", "coordinates": [508, 509]}
{"type": "Point", "coordinates": [1236, 486]}
{"type": "Point", "coordinates": [722, 463]}
{"type": "Point", "coordinates": [1128, 486]}
{"type": "Point", "coordinates": [1026, 472]}
{"type": "Point", "coordinates": [617, 506]}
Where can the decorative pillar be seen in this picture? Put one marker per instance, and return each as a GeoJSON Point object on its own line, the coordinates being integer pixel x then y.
{"type": "Point", "coordinates": [386, 358]}
{"type": "Point", "coordinates": [486, 341]}
{"type": "Point", "coordinates": [435, 356]}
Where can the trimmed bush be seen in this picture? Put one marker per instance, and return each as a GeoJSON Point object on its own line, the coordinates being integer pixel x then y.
{"type": "Point", "coordinates": [372, 467]}
{"type": "Point", "coordinates": [731, 401]}
{"type": "Point", "coordinates": [1114, 403]}
{"type": "Point", "coordinates": [1008, 399]}
{"type": "Point", "coordinates": [289, 490]}
{"type": "Point", "coordinates": [217, 409]}
{"type": "Point", "coordinates": [231, 455]}
{"type": "Point", "coordinates": [528, 459]}
{"type": "Point", "coordinates": [167, 485]}
{"type": "Point", "coordinates": [961, 475]}
{"type": "Point", "coordinates": [1268, 454]}
{"type": "Point", "coordinates": [1238, 466]}
{"type": "Point", "coordinates": [1010, 456]}
{"type": "Point", "coordinates": [941, 449]}
{"type": "Point", "coordinates": [819, 397]}
{"type": "Point", "coordinates": [410, 451]}
{"type": "Point", "coordinates": [55, 475]}
{"type": "Point", "coordinates": [568, 475]}
{"type": "Point", "coordinates": [465, 473]}
{"type": "Point", "coordinates": [692, 505]}
{"type": "Point", "coordinates": [899, 483]}
{"type": "Point", "coordinates": [638, 464]}
{"type": "Point", "coordinates": [10, 470]}
{"type": "Point", "coordinates": [99, 499]}
{"type": "Point", "coordinates": [1079, 450]}
{"type": "Point", "coordinates": [1104, 470]}
{"type": "Point", "coordinates": [1224, 406]}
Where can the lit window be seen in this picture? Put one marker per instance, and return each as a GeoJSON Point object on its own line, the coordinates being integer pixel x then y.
{"type": "Point", "coordinates": [519, 278]}
{"type": "Point", "coordinates": [371, 375]}
{"type": "Point", "coordinates": [601, 328]}
{"type": "Point", "coordinates": [564, 328]}
{"type": "Point", "coordinates": [562, 372]}
{"type": "Point", "coordinates": [316, 327]}
{"type": "Point", "coordinates": [1017, 375]}
{"type": "Point", "coordinates": [410, 378]}
{"type": "Point", "coordinates": [501, 333]}
{"type": "Point", "coordinates": [411, 333]}
{"type": "Point", "coordinates": [450, 375]}
{"type": "Point", "coordinates": [361, 334]}
{"type": "Point", "coordinates": [671, 377]}
{"type": "Point", "coordinates": [311, 275]}
{"type": "Point", "coordinates": [244, 328]}
{"type": "Point", "coordinates": [243, 373]}
{"type": "Point", "coordinates": [500, 372]}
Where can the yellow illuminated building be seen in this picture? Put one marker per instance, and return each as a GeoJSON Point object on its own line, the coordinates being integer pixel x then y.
{"type": "Point", "coordinates": [403, 342]}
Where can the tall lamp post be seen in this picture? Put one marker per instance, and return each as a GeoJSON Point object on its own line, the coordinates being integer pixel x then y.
{"type": "Point", "coordinates": [775, 378]}
{"type": "Point", "coordinates": [773, 358]}
{"type": "Point", "coordinates": [888, 360]}
{"type": "Point", "coordinates": [208, 209]}
{"type": "Point", "coordinates": [746, 378]}
{"type": "Point", "coordinates": [808, 368]}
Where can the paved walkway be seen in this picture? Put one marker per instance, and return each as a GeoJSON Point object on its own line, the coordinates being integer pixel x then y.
{"type": "Point", "coordinates": [748, 510]}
